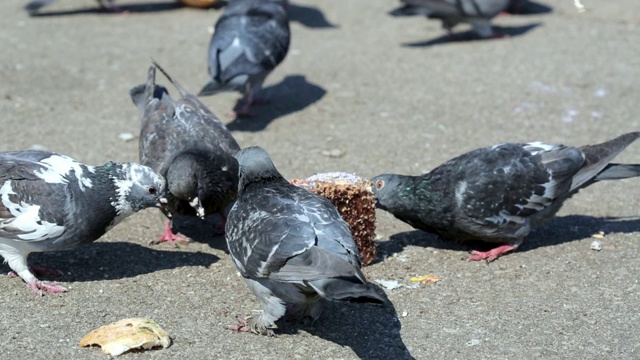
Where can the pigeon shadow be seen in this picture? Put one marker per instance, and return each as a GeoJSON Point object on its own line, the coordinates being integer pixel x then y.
{"type": "Point", "coordinates": [308, 16]}
{"type": "Point", "coordinates": [293, 94]}
{"type": "Point", "coordinates": [528, 8]}
{"type": "Point", "coordinates": [150, 7]}
{"type": "Point", "coordinates": [209, 230]}
{"type": "Point", "coordinates": [115, 260]}
{"type": "Point", "coordinates": [468, 36]}
{"type": "Point", "coordinates": [371, 331]}
{"type": "Point", "coordinates": [559, 230]}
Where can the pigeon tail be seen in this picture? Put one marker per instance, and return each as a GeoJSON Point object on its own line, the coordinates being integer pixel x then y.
{"type": "Point", "coordinates": [618, 172]}
{"type": "Point", "coordinates": [598, 156]}
{"type": "Point", "coordinates": [143, 93]}
{"type": "Point", "coordinates": [346, 289]}
{"type": "Point", "coordinates": [212, 87]}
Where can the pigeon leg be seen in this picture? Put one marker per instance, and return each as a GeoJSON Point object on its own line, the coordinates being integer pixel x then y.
{"type": "Point", "coordinates": [111, 7]}
{"type": "Point", "coordinates": [18, 263]}
{"type": "Point", "coordinates": [245, 109]}
{"type": "Point", "coordinates": [39, 270]}
{"type": "Point", "coordinates": [493, 253]}
{"type": "Point", "coordinates": [169, 236]}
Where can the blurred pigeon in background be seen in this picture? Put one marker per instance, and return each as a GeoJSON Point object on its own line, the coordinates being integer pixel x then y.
{"type": "Point", "coordinates": [498, 194]}
{"type": "Point", "coordinates": [291, 246]}
{"type": "Point", "coordinates": [34, 6]}
{"type": "Point", "coordinates": [185, 142]}
{"type": "Point", "coordinates": [251, 38]}
{"type": "Point", "coordinates": [50, 202]}
{"type": "Point", "coordinates": [478, 13]}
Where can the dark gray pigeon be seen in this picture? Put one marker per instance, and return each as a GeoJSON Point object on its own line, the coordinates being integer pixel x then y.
{"type": "Point", "coordinates": [251, 38]}
{"type": "Point", "coordinates": [478, 13]}
{"type": "Point", "coordinates": [185, 142]}
{"type": "Point", "coordinates": [291, 246]}
{"type": "Point", "coordinates": [34, 6]}
{"type": "Point", "coordinates": [50, 202]}
{"type": "Point", "coordinates": [498, 194]}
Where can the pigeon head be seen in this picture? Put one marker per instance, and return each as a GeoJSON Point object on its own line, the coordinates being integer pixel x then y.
{"type": "Point", "coordinates": [255, 166]}
{"type": "Point", "coordinates": [384, 188]}
{"type": "Point", "coordinates": [137, 187]}
{"type": "Point", "coordinates": [203, 178]}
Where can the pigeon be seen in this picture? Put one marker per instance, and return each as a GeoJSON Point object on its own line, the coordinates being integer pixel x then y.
{"type": "Point", "coordinates": [478, 13]}
{"type": "Point", "coordinates": [51, 202]}
{"type": "Point", "coordinates": [250, 39]}
{"type": "Point", "coordinates": [186, 143]}
{"type": "Point", "coordinates": [291, 246]}
{"type": "Point", "coordinates": [34, 6]}
{"type": "Point", "coordinates": [498, 194]}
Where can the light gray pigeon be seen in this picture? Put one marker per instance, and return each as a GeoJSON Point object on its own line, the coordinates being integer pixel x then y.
{"type": "Point", "coordinates": [478, 13]}
{"type": "Point", "coordinates": [50, 202]}
{"type": "Point", "coordinates": [291, 246]}
{"type": "Point", "coordinates": [498, 194]}
{"type": "Point", "coordinates": [251, 38]}
{"type": "Point", "coordinates": [34, 6]}
{"type": "Point", "coordinates": [185, 142]}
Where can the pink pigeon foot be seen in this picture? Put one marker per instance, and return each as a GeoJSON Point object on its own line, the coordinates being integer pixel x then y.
{"type": "Point", "coordinates": [169, 236]}
{"type": "Point", "coordinates": [37, 286]}
{"type": "Point", "coordinates": [491, 254]}
{"type": "Point", "coordinates": [241, 326]}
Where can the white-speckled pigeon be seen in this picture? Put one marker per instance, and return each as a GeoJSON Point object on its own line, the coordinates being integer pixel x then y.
{"type": "Point", "coordinates": [290, 245]}
{"type": "Point", "coordinates": [497, 194]}
{"type": "Point", "coordinates": [251, 38]}
{"type": "Point", "coordinates": [478, 13]}
{"type": "Point", "coordinates": [35, 5]}
{"type": "Point", "coordinates": [185, 142]}
{"type": "Point", "coordinates": [50, 202]}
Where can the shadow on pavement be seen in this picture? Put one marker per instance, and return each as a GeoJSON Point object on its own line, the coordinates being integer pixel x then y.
{"type": "Point", "coordinates": [559, 230]}
{"type": "Point", "coordinates": [308, 16]}
{"type": "Point", "coordinates": [468, 36]}
{"type": "Point", "coordinates": [149, 7]}
{"type": "Point", "coordinates": [115, 260]}
{"type": "Point", "coordinates": [525, 7]}
{"type": "Point", "coordinates": [291, 95]}
{"type": "Point", "coordinates": [371, 331]}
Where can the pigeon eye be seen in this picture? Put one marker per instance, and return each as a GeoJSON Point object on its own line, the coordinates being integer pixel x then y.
{"type": "Point", "coordinates": [379, 184]}
{"type": "Point", "coordinates": [152, 190]}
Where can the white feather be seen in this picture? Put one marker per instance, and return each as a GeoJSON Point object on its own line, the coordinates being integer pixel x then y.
{"type": "Point", "coordinates": [27, 217]}
{"type": "Point", "coordinates": [58, 167]}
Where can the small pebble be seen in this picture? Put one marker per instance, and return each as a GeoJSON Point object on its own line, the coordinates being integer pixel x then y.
{"type": "Point", "coordinates": [126, 136]}
{"type": "Point", "coordinates": [595, 245]}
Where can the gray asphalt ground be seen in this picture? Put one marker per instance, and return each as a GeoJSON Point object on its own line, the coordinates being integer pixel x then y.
{"type": "Point", "coordinates": [391, 95]}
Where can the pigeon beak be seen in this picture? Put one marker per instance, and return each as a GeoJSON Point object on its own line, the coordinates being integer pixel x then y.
{"type": "Point", "coordinates": [195, 203]}
{"type": "Point", "coordinates": [162, 204]}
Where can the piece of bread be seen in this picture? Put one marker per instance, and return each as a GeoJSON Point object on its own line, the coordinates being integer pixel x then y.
{"type": "Point", "coordinates": [353, 198]}
{"type": "Point", "coordinates": [124, 335]}
{"type": "Point", "coordinates": [199, 3]}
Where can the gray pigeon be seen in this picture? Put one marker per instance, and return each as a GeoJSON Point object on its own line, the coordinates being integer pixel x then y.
{"type": "Point", "coordinates": [34, 6]}
{"type": "Point", "coordinates": [291, 246]}
{"type": "Point", "coordinates": [185, 142]}
{"type": "Point", "coordinates": [478, 13]}
{"type": "Point", "coordinates": [251, 38]}
{"type": "Point", "coordinates": [50, 202]}
{"type": "Point", "coordinates": [498, 194]}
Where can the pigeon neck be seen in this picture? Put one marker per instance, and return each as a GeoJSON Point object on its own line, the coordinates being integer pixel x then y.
{"type": "Point", "coordinates": [250, 180]}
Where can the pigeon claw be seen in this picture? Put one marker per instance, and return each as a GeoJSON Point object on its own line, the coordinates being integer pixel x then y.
{"type": "Point", "coordinates": [38, 286]}
{"type": "Point", "coordinates": [169, 237]}
{"type": "Point", "coordinates": [241, 326]}
{"type": "Point", "coordinates": [491, 254]}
